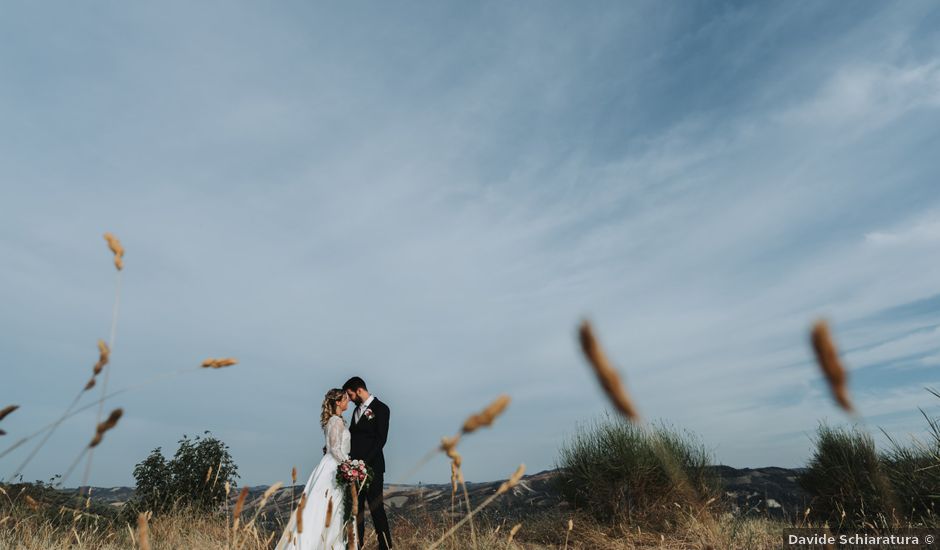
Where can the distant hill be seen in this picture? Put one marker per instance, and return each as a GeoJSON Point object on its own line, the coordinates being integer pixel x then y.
{"type": "Point", "coordinates": [768, 491]}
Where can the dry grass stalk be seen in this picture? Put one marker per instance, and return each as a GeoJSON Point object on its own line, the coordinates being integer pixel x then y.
{"type": "Point", "coordinates": [143, 537]}
{"type": "Point", "coordinates": [7, 410]}
{"type": "Point", "coordinates": [512, 481]}
{"type": "Point", "coordinates": [351, 528]}
{"type": "Point", "coordinates": [300, 513]}
{"type": "Point", "coordinates": [487, 416]}
{"type": "Point", "coordinates": [213, 363]}
{"type": "Point", "coordinates": [103, 427]}
{"type": "Point", "coordinates": [270, 491]}
{"type": "Point", "coordinates": [329, 513]}
{"type": "Point", "coordinates": [449, 444]}
{"type": "Point", "coordinates": [32, 503]}
{"type": "Point", "coordinates": [568, 532]}
{"type": "Point", "coordinates": [354, 497]}
{"type": "Point", "coordinates": [239, 505]}
{"type": "Point", "coordinates": [512, 532]}
{"type": "Point", "coordinates": [351, 536]}
{"type": "Point", "coordinates": [606, 373]}
{"type": "Point", "coordinates": [293, 475]}
{"type": "Point", "coordinates": [831, 366]}
{"type": "Point", "coordinates": [115, 245]}
{"type": "Point", "coordinates": [208, 475]}
{"type": "Point", "coordinates": [104, 355]}
{"type": "Point", "coordinates": [455, 475]}
{"type": "Point", "coordinates": [506, 485]}
{"type": "Point", "coordinates": [264, 499]}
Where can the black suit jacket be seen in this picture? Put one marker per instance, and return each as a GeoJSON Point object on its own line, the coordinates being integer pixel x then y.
{"type": "Point", "coordinates": [369, 436]}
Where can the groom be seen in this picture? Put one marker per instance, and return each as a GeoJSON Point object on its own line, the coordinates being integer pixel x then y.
{"type": "Point", "coordinates": [369, 431]}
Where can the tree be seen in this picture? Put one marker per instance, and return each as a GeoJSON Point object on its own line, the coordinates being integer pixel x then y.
{"type": "Point", "coordinates": [195, 477]}
{"type": "Point", "coordinates": [153, 481]}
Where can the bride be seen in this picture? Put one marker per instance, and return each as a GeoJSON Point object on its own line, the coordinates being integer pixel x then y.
{"type": "Point", "coordinates": [323, 494]}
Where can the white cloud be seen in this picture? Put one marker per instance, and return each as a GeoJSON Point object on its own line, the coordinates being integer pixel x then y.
{"type": "Point", "coordinates": [921, 232]}
{"type": "Point", "coordinates": [870, 95]}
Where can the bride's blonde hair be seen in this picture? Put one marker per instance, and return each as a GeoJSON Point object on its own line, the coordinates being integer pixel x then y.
{"type": "Point", "coordinates": [332, 398]}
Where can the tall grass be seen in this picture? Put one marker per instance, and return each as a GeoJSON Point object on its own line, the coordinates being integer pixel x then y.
{"type": "Point", "coordinates": [843, 478]}
{"type": "Point", "coordinates": [914, 471]}
{"type": "Point", "coordinates": [615, 472]}
{"type": "Point", "coordinates": [854, 485]}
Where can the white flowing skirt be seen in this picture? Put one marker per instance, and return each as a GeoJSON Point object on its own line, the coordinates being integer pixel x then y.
{"type": "Point", "coordinates": [321, 489]}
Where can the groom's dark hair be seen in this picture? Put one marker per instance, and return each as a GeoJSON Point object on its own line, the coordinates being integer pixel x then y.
{"type": "Point", "coordinates": [354, 384]}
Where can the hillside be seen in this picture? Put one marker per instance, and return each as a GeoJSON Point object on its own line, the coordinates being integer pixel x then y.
{"type": "Point", "coordinates": [766, 491]}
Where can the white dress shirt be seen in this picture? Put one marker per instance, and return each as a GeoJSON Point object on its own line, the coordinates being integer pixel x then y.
{"type": "Point", "coordinates": [362, 408]}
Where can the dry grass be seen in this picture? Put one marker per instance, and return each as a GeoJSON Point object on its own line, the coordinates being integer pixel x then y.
{"type": "Point", "coordinates": [115, 245]}
{"type": "Point", "coordinates": [196, 531]}
{"type": "Point", "coordinates": [103, 427]}
{"type": "Point", "coordinates": [143, 536]}
{"type": "Point", "coordinates": [831, 366]}
{"type": "Point", "coordinates": [606, 373]}
{"type": "Point", "coordinates": [7, 410]}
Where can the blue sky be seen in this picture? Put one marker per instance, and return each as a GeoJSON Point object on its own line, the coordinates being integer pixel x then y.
{"type": "Point", "coordinates": [432, 196]}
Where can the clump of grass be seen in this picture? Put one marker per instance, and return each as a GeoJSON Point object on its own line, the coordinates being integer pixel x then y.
{"type": "Point", "coordinates": [843, 478]}
{"type": "Point", "coordinates": [853, 484]}
{"type": "Point", "coordinates": [914, 474]}
{"type": "Point", "coordinates": [615, 472]}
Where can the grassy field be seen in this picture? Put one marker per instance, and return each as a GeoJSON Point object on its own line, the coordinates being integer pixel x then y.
{"type": "Point", "coordinates": [29, 530]}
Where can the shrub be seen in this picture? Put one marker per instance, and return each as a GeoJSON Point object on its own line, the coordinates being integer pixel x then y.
{"type": "Point", "coordinates": [853, 485]}
{"type": "Point", "coordinates": [615, 471]}
{"type": "Point", "coordinates": [914, 475]}
{"type": "Point", "coordinates": [914, 472]}
{"type": "Point", "coordinates": [846, 479]}
{"type": "Point", "coordinates": [194, 478]}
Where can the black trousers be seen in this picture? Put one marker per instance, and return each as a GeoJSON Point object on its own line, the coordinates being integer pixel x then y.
{"type": "Point", "coordinates": [374, 497]}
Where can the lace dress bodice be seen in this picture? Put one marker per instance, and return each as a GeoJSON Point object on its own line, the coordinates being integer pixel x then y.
{"type": "Point", "coordinates": [338, 440]}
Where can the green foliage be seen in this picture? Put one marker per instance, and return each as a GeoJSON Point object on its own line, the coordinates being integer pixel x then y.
{"type": "Point", "coordinates": [618, 471]}
{"type": "Point", "coordinates": [914, 475]}
{"type": "Point", "coordinates": [194, 478]}
{"type": "Point", "coordinates": [845, 479]}
{"type": "Point", "coordinates": [853, 485]}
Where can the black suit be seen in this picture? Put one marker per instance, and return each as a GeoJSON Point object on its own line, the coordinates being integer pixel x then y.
{"type": "Point", "coordinates": [369, 435]}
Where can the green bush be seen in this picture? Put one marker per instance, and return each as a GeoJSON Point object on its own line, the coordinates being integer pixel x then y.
{"type": "Point", "coordinates": [846, 479]}
{"type": "Point", "coordinates": [914, 475]}
{"type": "Point", "coordinates": [617, 471]}
{"type": "Point", "coordinates": [914, 472]}
{"type": "Point", "coordinates": [194, 478]}
{"type": "Point", "coordinates": [853, 485]}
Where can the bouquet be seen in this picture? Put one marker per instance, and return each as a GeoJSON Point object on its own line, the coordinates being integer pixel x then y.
{"type": "Point", "coordinates": [349, 473]}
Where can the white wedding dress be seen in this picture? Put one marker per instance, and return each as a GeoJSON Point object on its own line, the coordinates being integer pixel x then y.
{"type": "Point", "coordinates": [321, 491]}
